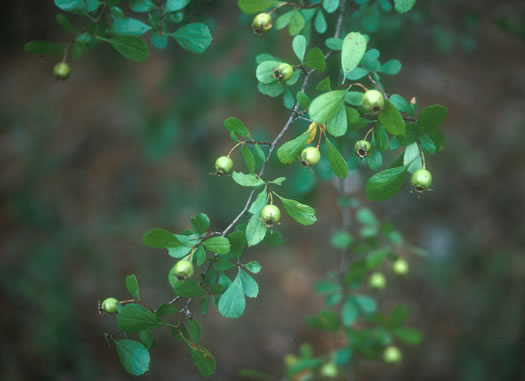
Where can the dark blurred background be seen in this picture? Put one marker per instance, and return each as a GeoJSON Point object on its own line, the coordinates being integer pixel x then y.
{"type": "Point", "coordinates": [90, 164]}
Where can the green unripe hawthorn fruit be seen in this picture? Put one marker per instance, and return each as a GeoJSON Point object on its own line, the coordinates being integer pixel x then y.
{"type": "Point", "coordinates": [183, 269]}
{"type": "Point", "coordinates": [421, 180]}
{"type": "Point", "coordinates": [290, 359]}
{"type": "Point", "coordinates": [310, 156]}
{"type": "Point", "coordinates": [329, 370]}
{"type": "Point", "coordinates": [392, 355]}
{"type": "Point", "coordinates": [373, 101]}
{"type": "Point", "coordinates": [261, 23]}
{"type": "Point", "coordinates": [223, 165]}
{"type": "Point", "coordinates": [61, 70]}
{"type": "Point", "coordinates": [362, 148]}
{"type": "Point", "coordinates": [400, 266]}
{"type": "Point", "coordinates": [377, 280]}
{"type": "Point", "coordinates": [109, 306]}
{"type": "Point", "coordinates": [283, 72]}
{"type": "Point", "coordinates": [270, 214]}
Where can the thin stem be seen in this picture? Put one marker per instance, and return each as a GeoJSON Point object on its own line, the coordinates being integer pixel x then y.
{"type": "Point", "coordinates": [277, 7]}
{"type": "Point", "coordinates": [233, 149]}
{"type": "Point", "coordinates": [377, 86]}
{"type": "Point", "coordinates": [369, 132]}
{"type": "Point", "coordinates": [421, 154]}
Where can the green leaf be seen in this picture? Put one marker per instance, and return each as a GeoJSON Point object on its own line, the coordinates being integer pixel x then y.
{"type": "Point", "coordinates": [219, 245]}
{"type": "Point", "coordinates": [146, 337]}
{"type": "Point", "coordinates": [132, 47]}
{"type": "Point", "coordinates": [132, 285]}
{"type": "Point", "coordinates": [337, 162]}
{"type": "Point", "coordinates": [249, 285]}
{"type": "Point", "coordinates": [299, 46]}
{"type": "Point", "coordinates": [273, 238]}
{"type": "Point", "coordinates": [398, 316]}
{"type": "Point", "coordinates": [237, 242]}
{"type": "Point", "coordinates": [236, 127]}
{"type": "Point", "coordinates": [195, 330]}
{"type": "Point", "coordinates": [64, 22]}
{"type": "Point", "coordinates": [247, 180]}
{"type": "Point", "coordinates": [320, 22]}
{"type": "Point", "coordinates": [259, 202]}
{"type": "Point", "coordinates": [330, 6]}
{"type": "Point", "coordinates": [303, 100]}
{"type": "Point", "coordinates": [134, 318]}
{"type": "Point", "coordinates": [338, 125]}
{"type": "Point", "coordinates": [166, 309]}
{"type": "Point", "coordinates": [201, 223]}
{"type": "Point", "coordinates": [354, 48]}
{"type": "Point", "coordinates": [258, 156]}
{"type": "Point", "coordinates": [296, 23]}
{"type": "Point", "coordinates": [408, 335]}
{"type": "Point", "coordinates": [349, 312]}
{"type": "Point", "coordinates": [179, 252]}
{"type": "Point", "coordinates": [326, 106]}
{"type": "Point", "coordinates": [129, 27]}
{"type": "Point", "coordinates": [392, 119]}
{"type": "Point", "coordinates": [315, 59]}
{"type": "Point", "coordinates": [42, 48]}
{"type": "Point", "coordinates": [188, 288]}
{"type": "Point", "coordinates": [193, 37]}
{"type": "Point", "coordinates": [381, 138]}
{"type": "Point", "coordinates": [247, 156]}
{"type": "Point", "coordinates": [324, 84]}
{"type": "Point", "coordinates": [203, 359]}
{"type": "Point", "coordinates": [334, 43]}
{"type": "Point", "coordinates": [365, 303]}
{"type": "Point", "coordinates": [255, 230]}
{"type": "Point", "coordinates": [223, 265]}
{"type": "Point", "coordinates": [412, 158]}
{"type": "Point", "coordinates": [439, 139]}
{"type": "Point", "coordinates": [283, 20]}
{"type": "Point", "coordinates": [327, 320]}
{"type": "Point", "coordinates": [400, 103]}
{"type": "Point", "coordinates": [232, 302]}
{"type": "Point", "coordinates": [290, 151]}
{"type": "Point", "coordinates": [385, 184]}
{"type": "Point", "coordinates": [160, 239]}
{"type": "Point", "coordinates": [357, 73]}
{"type": "Point", "coordinates": [301, 213]}
{"type": "Point", "coordinates": [374, 160]}
{"type": "Point", "coordinates": [366, 217]}
{"type": "Point", "coordinates": [391, 67]}
{"type": "Point", "coordinates": [159, 41]}
{"type": "Point", "coordinates": [253, 266]}
{"type": "Point", "coordinates": [341, 240]}
{"type": "Point", "coordinates": [403, 6]}
{"type": "Point", "coordinates": [431, 117]}
{"type": "Point", "coordinates": [355, 98]}
{"type": "Point", "coordinates": [175, 5]}
{"type": "Point", "coordinates": [264, 71]}
{"type": "Point", "coordinates": [254, 6]}
{"type": "Point", "coordinates": [141, 6]}
{"type": "Point", "coordinates": [375, 258]}
{"type": "Point", "coordinates": [71, 5]}
{"type": "Point", "coordinates": [133, 356]}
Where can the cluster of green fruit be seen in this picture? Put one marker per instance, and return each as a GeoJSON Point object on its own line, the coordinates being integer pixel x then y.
{"type": "Point", "coordinates": [378, 281]}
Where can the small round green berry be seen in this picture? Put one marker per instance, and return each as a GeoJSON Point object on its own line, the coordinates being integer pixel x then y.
{"type": "Point", "coordinates": [261, 23]}
{"type": "Point", "coordinates": [223, 165]}
{"type": "Point", "coordinates": [392, 355]}
{"type": "Point", "coordinates": [310, 156]}
{"type": "Point", "coordinates": [329, 370]}
{"type": "Point", "coordinates": [421, 180]}
{"type": "Point", "coordinates": [377, 280]}
{"type": "Point", "coordinates": [373, 101]}
{"type": "Point", "coordinates": [400, 266]}
{"type": "Point", "coordinates": [270, 214]}
{"type": "Point", "coordinates": [61, 71]}
{"type": "Point", "coordinates": [109, 306]}
{"type": "Point", "coordinates": [362, 148]}
{"type": "Point", "coordinates": [283, 72]}
{"type": "Point", "coordinates": [183, 269]}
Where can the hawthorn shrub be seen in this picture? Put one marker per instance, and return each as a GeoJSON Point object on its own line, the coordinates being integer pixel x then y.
{"type": "Point", "coordinates": [352, 119]}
